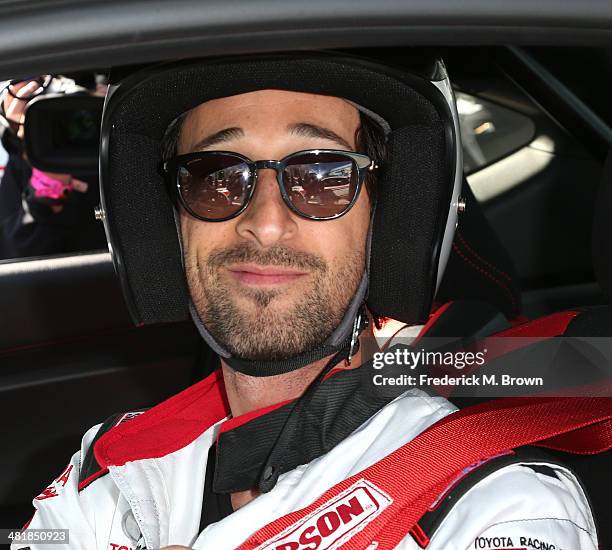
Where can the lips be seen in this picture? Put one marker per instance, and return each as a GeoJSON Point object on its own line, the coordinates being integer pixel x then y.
{"type": "Point", "coordinates": [252, 274]}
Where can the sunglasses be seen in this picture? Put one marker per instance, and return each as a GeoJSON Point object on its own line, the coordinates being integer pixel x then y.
{"type": "Point", "coordinates": [319, 184]}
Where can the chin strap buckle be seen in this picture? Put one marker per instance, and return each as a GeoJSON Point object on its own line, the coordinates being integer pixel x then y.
{"type": "Point", "coordinates": [360, 323]}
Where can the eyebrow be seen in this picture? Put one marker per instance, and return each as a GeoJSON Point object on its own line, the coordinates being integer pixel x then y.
{"type": "Point", "coordinates": [303, 129]}
{"type": "Point", "coordinates": [309, 130]}
{"type": "Point", "coordinates": [222, 136]}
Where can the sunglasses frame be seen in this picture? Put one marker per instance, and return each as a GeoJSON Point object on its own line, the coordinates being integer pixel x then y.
{"type": "Point", "coordinates": [362, 162]}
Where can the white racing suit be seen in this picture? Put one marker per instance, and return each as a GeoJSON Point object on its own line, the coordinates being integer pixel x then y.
{"type": "Point", "coordinates": [141, 484]}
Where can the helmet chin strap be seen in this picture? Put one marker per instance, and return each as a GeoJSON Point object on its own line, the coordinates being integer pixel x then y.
{"type": "Point", "coordinates": [345, 336]}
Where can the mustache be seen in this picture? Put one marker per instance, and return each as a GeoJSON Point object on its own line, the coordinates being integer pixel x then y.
{"type": "Point", "coordinates": [277, 256]}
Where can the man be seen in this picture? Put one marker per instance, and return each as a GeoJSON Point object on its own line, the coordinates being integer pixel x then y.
{"type": "Point", "coordinates": [276, 271]}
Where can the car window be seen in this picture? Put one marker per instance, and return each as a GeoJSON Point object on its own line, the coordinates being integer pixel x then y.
{"type": "Point", "coordinates": [490, 131]}
{"type": "Point", "coordinates": [49, 183]}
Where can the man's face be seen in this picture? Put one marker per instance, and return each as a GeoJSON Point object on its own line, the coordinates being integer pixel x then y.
{"type": "Point", "coordinates": [269, 284]}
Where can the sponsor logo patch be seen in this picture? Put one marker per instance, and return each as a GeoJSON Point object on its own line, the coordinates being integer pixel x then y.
{"type": "Point", "coordinates": [516, 542]}
{"type": "Point", "coordinates": [51, 490]}
{"type": "Point", "coordinates": [128, 416]}
{"type": "Point", "coordinates": [335, 521]}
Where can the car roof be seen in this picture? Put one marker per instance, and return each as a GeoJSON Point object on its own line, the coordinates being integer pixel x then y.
{"type": "Point", "coordinates": [41, 36]}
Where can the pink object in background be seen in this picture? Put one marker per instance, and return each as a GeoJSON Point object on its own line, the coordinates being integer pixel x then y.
{"type": "Point", "coordinates": [48, 186]}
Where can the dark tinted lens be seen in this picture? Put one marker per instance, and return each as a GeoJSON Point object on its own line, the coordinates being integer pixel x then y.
{"type": "Point", "coordinates": [321, 185]}
{"type": "Point", "coordinates": [215, 186]}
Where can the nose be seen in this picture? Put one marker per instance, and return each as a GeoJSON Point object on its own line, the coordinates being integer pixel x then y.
{"type": "Point", "coordinates": [267, 220]}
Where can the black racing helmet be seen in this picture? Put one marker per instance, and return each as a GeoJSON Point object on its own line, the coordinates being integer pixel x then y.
{"type": "Point", "coordinates": [418, 185]}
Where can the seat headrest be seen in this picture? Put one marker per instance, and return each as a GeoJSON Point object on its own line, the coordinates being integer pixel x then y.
{"type": "Point", "coordinates": [479, 267]}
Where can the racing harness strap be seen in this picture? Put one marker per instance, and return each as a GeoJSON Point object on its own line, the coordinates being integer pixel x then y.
{"type": "Point", "coordinates": [379, 506]}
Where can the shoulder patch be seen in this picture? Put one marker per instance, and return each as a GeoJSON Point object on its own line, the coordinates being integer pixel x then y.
{"type": "Point", "coordinates": [90, 469]}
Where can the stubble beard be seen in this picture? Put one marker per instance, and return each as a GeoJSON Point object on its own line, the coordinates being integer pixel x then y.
{"type": "Point", "coordinates": [266, 329]}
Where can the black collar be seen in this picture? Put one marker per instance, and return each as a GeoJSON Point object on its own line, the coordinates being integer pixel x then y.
{"type": "Point", "coordinates": [339, 405]}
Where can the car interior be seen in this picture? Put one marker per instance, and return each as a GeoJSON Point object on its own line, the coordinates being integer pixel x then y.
{"type": "Point", "coordinates": [536, 125]}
